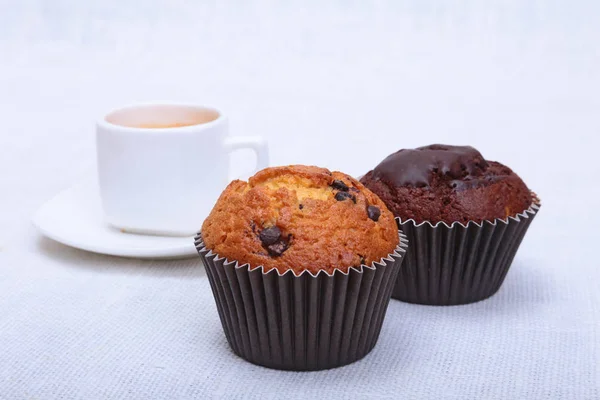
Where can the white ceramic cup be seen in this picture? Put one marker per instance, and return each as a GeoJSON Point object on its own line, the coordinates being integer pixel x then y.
{"type": "Point", "coordinates": [165, 180]}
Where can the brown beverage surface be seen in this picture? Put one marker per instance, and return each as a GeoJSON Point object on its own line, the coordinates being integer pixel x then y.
{"type": "Point", "coordinates": [179, 119]}
{"type": "Point", "coordinates": [170, 125]}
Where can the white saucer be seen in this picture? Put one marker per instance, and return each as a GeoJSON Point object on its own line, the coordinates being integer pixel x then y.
{"type": "Point", "coordinates": [74, 217]}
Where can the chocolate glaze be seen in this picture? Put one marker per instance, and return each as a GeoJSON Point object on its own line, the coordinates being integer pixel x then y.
{"type": "Point", "coordinates": [447, 183]}
{"type": "Point", "coordinates": [417, 167]}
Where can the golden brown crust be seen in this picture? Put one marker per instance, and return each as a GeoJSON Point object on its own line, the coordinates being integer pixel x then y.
{"type": "Point", "coordinates": [317, 232]}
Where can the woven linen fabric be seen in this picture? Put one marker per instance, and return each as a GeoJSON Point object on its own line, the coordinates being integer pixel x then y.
{"type": "Point", "coordinates": [82, 326]}
{"type": "Point", "coordinates": [340, 85]}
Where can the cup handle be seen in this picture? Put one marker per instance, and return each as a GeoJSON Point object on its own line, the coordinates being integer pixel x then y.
{"type": "Point", "coordinates": [256, 143]}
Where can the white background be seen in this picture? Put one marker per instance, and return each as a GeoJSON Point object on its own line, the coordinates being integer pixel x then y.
{"type": "Point", "coordinates": [339, 85]}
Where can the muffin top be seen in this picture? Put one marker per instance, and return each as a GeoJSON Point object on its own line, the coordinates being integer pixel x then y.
{"type": "Point", "coordinates": [449, 184]}
{"type": "Point", "coordinates": [300, 218]}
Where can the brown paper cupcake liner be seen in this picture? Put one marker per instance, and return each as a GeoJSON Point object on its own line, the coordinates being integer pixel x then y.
{"type": "Point", "coordinates": [459, 264]}
{"type": "Point", "coordinates": [301, 322]}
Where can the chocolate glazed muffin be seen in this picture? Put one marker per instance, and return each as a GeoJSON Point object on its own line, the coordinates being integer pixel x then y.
{"type": "Point", "coordinates": [302, 262]}
{"type": "Point", "coordinates": [464, 217]}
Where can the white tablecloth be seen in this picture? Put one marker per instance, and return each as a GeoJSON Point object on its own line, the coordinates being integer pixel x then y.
{"type": "Point", "coordinates": [338, 85]}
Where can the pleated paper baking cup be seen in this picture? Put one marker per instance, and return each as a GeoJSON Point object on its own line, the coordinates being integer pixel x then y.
{"type": "Point", "coordinates": [301, 322]}
{"type": "Point", "coordinates": [459, 264]}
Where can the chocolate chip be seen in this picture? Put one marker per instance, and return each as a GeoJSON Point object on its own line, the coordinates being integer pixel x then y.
{"type": "Point", "coordinates": [300, 206]}
{"type": "Point", "coordinates": [277, 249]}
{"type": "Point", "coordinates": [339, 185]}
{"type": "Point", "coordinates": [270, 235]}
{"type": "Point", "coordinates": [341, 196]}
{"type": "Point", "coordinates": [373, 213]}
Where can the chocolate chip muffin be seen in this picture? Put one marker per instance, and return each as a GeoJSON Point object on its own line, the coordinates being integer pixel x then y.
{"type": "Point", "coordinates": [449, 184]}
{"type": "Point", "coordinates": [302, 262]}
{"type": "Point", "coordinates": [300, 218]}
